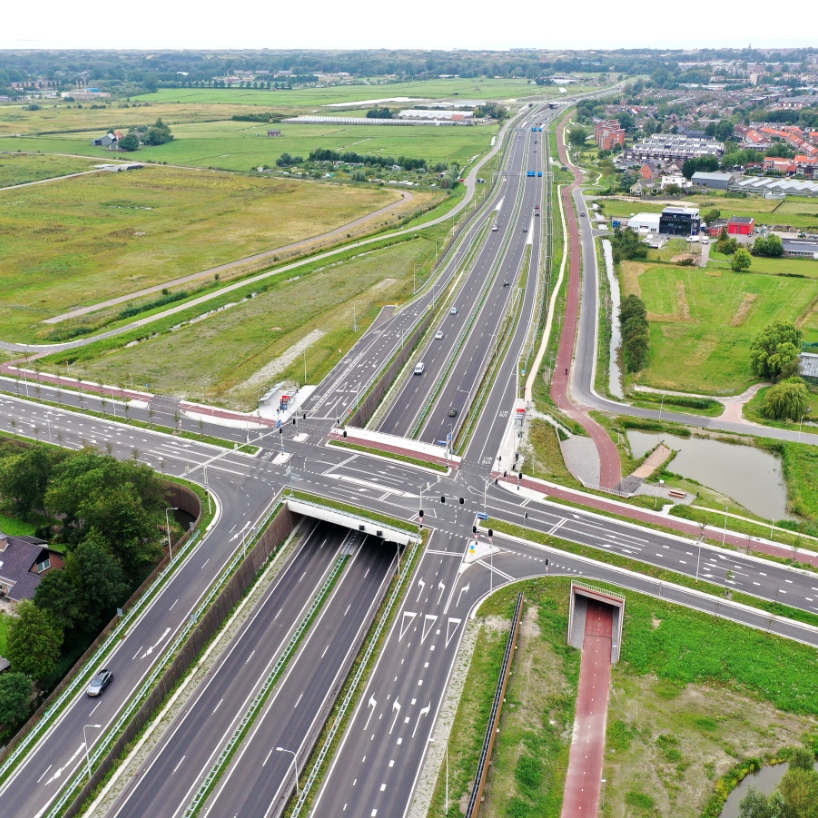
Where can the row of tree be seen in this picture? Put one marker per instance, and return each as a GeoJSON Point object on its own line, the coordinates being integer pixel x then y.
{"type": "Point", "coordinates": [633, 320]}
{"type": "Point", "coordinates": [352, 158]}
{"type": "Point", "coordinates": [108, 515]}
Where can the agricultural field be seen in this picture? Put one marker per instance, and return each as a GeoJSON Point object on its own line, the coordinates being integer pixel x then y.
{"type": "Point", "coordinates": [705, 320]}
{"type": "Point", "coordinates": [83, 240]}
{"type": "Point", "coordinates": [21, 168]}
{"type": "Point", "coordinates": [691, 697]}
{"type": "Point", "coordinates": [230, 355]}
{"type": "Point", "coordinates": [478, 88]}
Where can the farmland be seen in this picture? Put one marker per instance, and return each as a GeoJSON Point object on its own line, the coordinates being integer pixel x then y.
{"type": "Point", "coordinates": [223, 352]}
{"type": "Point", "coordinates": [86, 239]}
{"type": "Point", "coordinates": [20, 168]}
{"type": "Point", "coordinates": [706, 320]}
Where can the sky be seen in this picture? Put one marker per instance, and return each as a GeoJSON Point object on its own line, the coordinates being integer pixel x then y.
{"type": "Point", "coordinates": [423, 24]}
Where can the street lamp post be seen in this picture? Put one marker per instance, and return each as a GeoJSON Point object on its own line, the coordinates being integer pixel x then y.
{"type": "Point", "coordinates": [604, 782]}
{"type": "Point", "coordinates": [295, 764]}
{"type": "Point", "coordinates": [724, 533]}
{"type": "Point", "coordinates": [85, 740]}
{"type": "Point", "coordinates": [799, 427]}
{"type": "Point", "coordinates": [167, 521]}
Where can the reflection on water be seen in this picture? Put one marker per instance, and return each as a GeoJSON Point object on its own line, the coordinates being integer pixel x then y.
{"type": "Point", "coordinates": [750, 476]}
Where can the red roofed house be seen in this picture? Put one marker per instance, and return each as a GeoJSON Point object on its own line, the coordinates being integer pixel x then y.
{"type": "Point", "coordinates": [650, 170]}
{"type": "Point", "coordinates": [608, 133]}
{"type": "Point", "coordinates": [785, 166]}
{"type": "Point", "coordinates": [807, 165]}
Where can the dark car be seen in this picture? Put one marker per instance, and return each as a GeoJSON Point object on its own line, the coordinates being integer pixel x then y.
{"type": "Point", "coordinates": [452, 412]}
{"type": "Point", "coordinates": [100, 682]}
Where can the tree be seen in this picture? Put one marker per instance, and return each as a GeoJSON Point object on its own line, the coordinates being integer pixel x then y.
{"type": "Point", "coordinates": [358, 175]}
{"type": "Point", "coordinates": [635, 333]}
{"type": "Point", "coordinates": [129, 142]}
{"type": "Point", "coordinates": [24, 478]}
{"type": "Point", "coordinates": [712, 215]}
{"type": "Point", "coordinates": [61, 596]}
{"type": "Point", "coordinates": [724, 130]}
{"type": "Point", "coordinates": [800, 791]}
{"type": "Point", "coordinates": [741, 261]}
{"type": "Point", "coordinates": [100, 576]}
{"type": "Point", "coordinates": [577, 137]}
{"type": "Point", "coordinates": [802, 758]}
{"type": "Point", "coordinates": [774, 351]}
{"type": "Point", "coordinates": [15, 696]}
{"type": "Point", "coordinates": [754, 805]}
{"type": "Point", "coordinates": [158, 134]}
{"type": "Point", "coordinates": [768, 246]}
{"type": "Point", "coordinates": [787, 400]}
{"type": "Point", "coordinates": [151, 83]}
{"type": "Point", "coordinates": [34, 641]}
{"type": "Point", "coordinates": [706, 164]}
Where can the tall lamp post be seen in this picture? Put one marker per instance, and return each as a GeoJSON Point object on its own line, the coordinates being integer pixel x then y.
{"type": "Point", "coordinates": [85, 740]}
{"type": "Point", "coordinates": [295, 764]}
{"type": "Point", "coordinates": [799, 427]}
{"type": "Point", "coordinates": [724, 533]}
{"type": "Point", "coordinates": [167, 522]}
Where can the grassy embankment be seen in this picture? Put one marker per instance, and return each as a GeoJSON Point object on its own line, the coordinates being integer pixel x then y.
{"type": "Point", "coordinates": [22, 168]}
{"type": "Point", "coordinates": [683, 699]}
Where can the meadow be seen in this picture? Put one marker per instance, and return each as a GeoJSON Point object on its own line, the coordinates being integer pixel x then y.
{"type": "Point", "coordinates": [20, 168]}
{"type": "Point", "coordinates": [702, 322]}
{"type": "Point", "coordinates": [690, 696]}
{"type": "Point", "coordinates": [222, 353]}
{"type": "Point", "coordinates": [83, 240]}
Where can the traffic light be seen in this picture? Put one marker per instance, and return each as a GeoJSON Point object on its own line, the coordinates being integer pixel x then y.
{"type": "Point", "coordinates": [420, 514]}
{"type": "Point", "coordinates": [304, 416]}
{"type": "Point", "coordinates": [345, 432]}
{"type": "Point", "coordinates": [442, 499]}
{"type": "Point", "coordinates": [520, 476]}
{"type": "Point", "coordinates": [474, 529]}
{"type": "Point", "coordinates": [462, 500]}
{"type": "Point", "coordinates": [525, 516]}
{"type": "Point", "coordinates": [505, 474]}
{"type": "Point", "coordinates": [294, 423]}
{"type": "Point", "coordinates": [280, 430]}
{"type": "Point", "coordinates": [491, 533]}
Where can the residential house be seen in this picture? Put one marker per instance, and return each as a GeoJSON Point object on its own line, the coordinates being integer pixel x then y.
{"type": "Point", "coordinates": [642, 187]}
{"type": "Point", "coordinates": [786, 167]}
{"type": "Point", "coordinates": [807, 165]}
{"type": "Point", "coordinates": [23, 561]}
{"type": "Point", "coordinates": [104, 141]}
{"type": "Point", "coordinates": [275, 132]}
{"type": "Point", "coordinates": [674, 179]}
{"type": "Point", "coordinates": [650, 171]}
{"type": "Point", "coordinates": [608, 133]}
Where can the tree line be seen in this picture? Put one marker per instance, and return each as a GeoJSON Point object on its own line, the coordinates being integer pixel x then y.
{"type": "Point", "coordinates": [108, 515]}
{"type": "Point", "coordinates": [352, 158]}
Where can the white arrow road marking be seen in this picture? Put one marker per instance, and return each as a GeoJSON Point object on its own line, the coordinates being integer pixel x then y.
{"type": "Point", "coordinates": [423, 712]}
{"type": "Point", "coordinates": [240, 532]}
{"type": "Point", "coordinates": [403, 626]}
{"type": "Point", "coordinates": [451, 632]}
{"type": "Point", "coordinates": [426, 622]}
{"type": "Point", "coordinates": [462, 590]}
{"type": "Point", "coordinates": [59, 772]}
{"type": "Point", "coordinates": [373, 704]}
{"type": "Point", "coordinates": [396, 708]}
{"type": "Point", "coordinates": [442, 588]}
{"type": "Point", "coordinates": [422, 586]}
{"type": "Point", "coordinates": [151, 649]}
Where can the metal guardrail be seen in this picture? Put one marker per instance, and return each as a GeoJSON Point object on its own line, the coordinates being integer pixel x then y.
{"type": "Point", "coordinates": [590, 587]}
{"type": "Point", "coordinates": [258, 700]}
{"type": "Point", "coordinates": [496, 706]}
{"type": "Point", "coordinates": [353, 688]}
{"type": "Point", "coordinates": [115, 635]}
{"type": "Point", "coordinates": [137, 700]}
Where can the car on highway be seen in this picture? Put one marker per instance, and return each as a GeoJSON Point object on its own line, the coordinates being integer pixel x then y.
{"type": "Point", "coordinates": [506, 283]}
{"type": "Point", "coordinates": [439, 335]}
{"type": "Point", "coordinates": [530, 173]}
{"type": "Point", "coordinates": [452, 412]}
{"type": "Point", "coordinates": [453, 311]}
{"type": "Point", "coordinates": [419, 368]}
{"type": "Point", "coordinates": [583, 213]}
{"type": "Point", "coordinates": [494, 228]}
{"type": "Point", "coordinates": [539, 173]}
{"type": "Point", "coordinates": [525, 230]}
{"type": "Point", "coordinates": [99, 682]}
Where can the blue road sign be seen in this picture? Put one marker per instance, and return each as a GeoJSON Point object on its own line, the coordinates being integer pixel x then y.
{"type": "Point", "coordinates": [481, 515]}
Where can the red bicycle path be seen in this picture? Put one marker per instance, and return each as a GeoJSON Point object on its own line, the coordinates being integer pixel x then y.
{"type": "Point", "coordinates": [610, 469]}
{"type": "Point", "coordinates": [584, 777]}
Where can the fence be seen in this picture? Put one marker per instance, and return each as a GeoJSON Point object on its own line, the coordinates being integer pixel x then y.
{"type": "Point", "coordinates": [276, 533]}
{"type": "Point", "coordinates": [494, 716]}
{"type": "Point", "coordinates": [181, 497]}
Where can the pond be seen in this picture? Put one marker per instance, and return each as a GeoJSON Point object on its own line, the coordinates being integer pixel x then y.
{"type": "Point", "coordinates": [752, 477]}
{"type": "Point", "coordinates": [765, 780]}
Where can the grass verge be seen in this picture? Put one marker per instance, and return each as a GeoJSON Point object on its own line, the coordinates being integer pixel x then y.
{"type": "Point", "coordinates": [391, 455]}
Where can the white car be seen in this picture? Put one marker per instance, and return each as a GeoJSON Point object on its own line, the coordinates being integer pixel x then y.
{"type": "Point", "coordinates": [439, 335]}
{"type": "Point", "coordinates": [419, 369]}
{"type": "Point", "coordinates": [453, 311]}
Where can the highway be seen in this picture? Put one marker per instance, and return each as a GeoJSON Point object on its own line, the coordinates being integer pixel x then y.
{"type": "Point", "coordinates": [373, 771]}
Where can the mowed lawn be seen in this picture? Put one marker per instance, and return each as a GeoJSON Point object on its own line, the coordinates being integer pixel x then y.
{"type": "Point", "coordinates": [222, 352]}
{"type": "Point", "coordinates": [83, 240]}
{"type": "Point", "coordinates": [701, 326]}
{"type": "Point", "coordinates": [20, 168]}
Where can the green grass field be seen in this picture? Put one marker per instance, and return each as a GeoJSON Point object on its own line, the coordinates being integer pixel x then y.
{"type": "Point", "coordinates": [76, 242]}
{"type": "Point", "coordinates": [708, 351]}
{"type": "Point", "coordinates": [4, 627]}
{"type": "Point", "coordinates": [15, 527]}
{"type": "Point", "coordinates": [19, 168]}
{"type": "Point", "coordinates": [478, 88]}
{"type": "Point", "coordinates": [224, 351]}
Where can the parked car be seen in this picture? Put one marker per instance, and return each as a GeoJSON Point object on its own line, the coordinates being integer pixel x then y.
{"type": "Point", "coordinates": [100, 682]}
{"type": "Point", "coordinates": [419, 368]}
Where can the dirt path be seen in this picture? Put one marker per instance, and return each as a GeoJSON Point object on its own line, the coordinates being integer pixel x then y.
{"type": "Point", "coordinates": [583, 781]}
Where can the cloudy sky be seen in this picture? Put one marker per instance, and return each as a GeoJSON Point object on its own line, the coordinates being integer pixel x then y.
{"type": "Point", "coordinates": [431, 24]}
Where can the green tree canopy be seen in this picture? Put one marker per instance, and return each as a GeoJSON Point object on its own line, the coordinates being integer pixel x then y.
{"type": "Point", "coordinates": [129, 142]}
{"type": "Point", "coordinates": [741, 260]}
{"type": "Point", "coordinates": [15, 695]}
{"type": "Point", "coordinates": [775, 350]}
{"type": "Point", "coordinates": [800, 791]}
{"type": "Point", "coordinates": [101, 578]}
{"type": "Point", "coordinates": [787, 400]}
{"type": "Point", "coordinates": [577, 137]}
{"type": "Point", "coordinates": [61, 596]}
{"type": "Point", "coordinates": [158, 134]}
{"type": "Point", "coordinates": [34, 641]}
{"type": "Point", "coordinates": [24, 478]}
{"type": "Point", "coordinates": [768, 246]}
